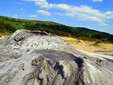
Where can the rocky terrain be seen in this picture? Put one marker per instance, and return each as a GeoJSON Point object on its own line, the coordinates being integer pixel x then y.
{"type": "Point", "coordinates": [40, 58]}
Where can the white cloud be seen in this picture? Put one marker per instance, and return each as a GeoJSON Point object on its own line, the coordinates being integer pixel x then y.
{"type": "Point", "coordinates": [93, 18]}
{"type": "Point", "coordinates": [103, 24]}
{"type": "Point", "coordinates": [82, 12]}
{"type": "Point", "coordinates": [15, 16]}
{"type": "Point", "coordinates": [109, 14]}
{"type": "Point", "coordinates": [43, 12]}
{"type": "Point", "coordinates": [62, 6]}
{"type": "Point", "coordinates": [59, 13]}
{"type": "Point", "coordinates": [69, 14]}
{"type": "Point", "coordinates": [97, 0]}
{"type": "Point", "coordinates": [33, 16]}
{"type": "Point", "coordinates": [42, 3]}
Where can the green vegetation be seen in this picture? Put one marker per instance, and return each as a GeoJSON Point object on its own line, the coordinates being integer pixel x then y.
{"type": "Point", "coordinates": [9, 25]}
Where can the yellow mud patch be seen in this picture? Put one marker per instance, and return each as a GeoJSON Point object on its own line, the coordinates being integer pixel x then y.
{"type": "Point", "coordinates": [90, 46]}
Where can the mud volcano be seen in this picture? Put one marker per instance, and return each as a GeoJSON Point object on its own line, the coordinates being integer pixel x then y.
{"type": "Point", "coordinates": [40, 58]}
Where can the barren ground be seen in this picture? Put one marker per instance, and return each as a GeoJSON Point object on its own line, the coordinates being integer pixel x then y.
{"type": "Point", "coordinates": [3, 36]}
{"type": "Point", "coordinates": [90, 46]}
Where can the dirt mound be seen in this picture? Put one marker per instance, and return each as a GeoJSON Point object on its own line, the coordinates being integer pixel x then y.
{"type": "Point", "coordinates": [40, 58]}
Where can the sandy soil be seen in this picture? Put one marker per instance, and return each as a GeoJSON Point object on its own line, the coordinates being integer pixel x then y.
{"type": "Point", "coordinates": [3, 36]}
{"type": "Point", "coordinates": [90, 46]}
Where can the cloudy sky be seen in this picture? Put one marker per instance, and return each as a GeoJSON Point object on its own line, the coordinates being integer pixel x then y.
{"type": "Point", "coordinates": [93, 14]}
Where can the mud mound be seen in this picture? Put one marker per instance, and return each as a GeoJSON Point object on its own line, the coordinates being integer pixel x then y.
{"type": "Point", "coordinates": [40, 58]}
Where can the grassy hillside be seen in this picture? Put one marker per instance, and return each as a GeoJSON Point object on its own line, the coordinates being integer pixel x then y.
{"type": "Point", "coordinates": [9, 25]}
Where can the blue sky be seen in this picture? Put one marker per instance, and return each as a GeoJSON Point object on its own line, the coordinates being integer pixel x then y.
{"type": "Point", "coordinates": [93, 14]}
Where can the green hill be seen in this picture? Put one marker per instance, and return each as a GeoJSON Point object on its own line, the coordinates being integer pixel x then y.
{"type": "Point", "coordinates": [9, 25]}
